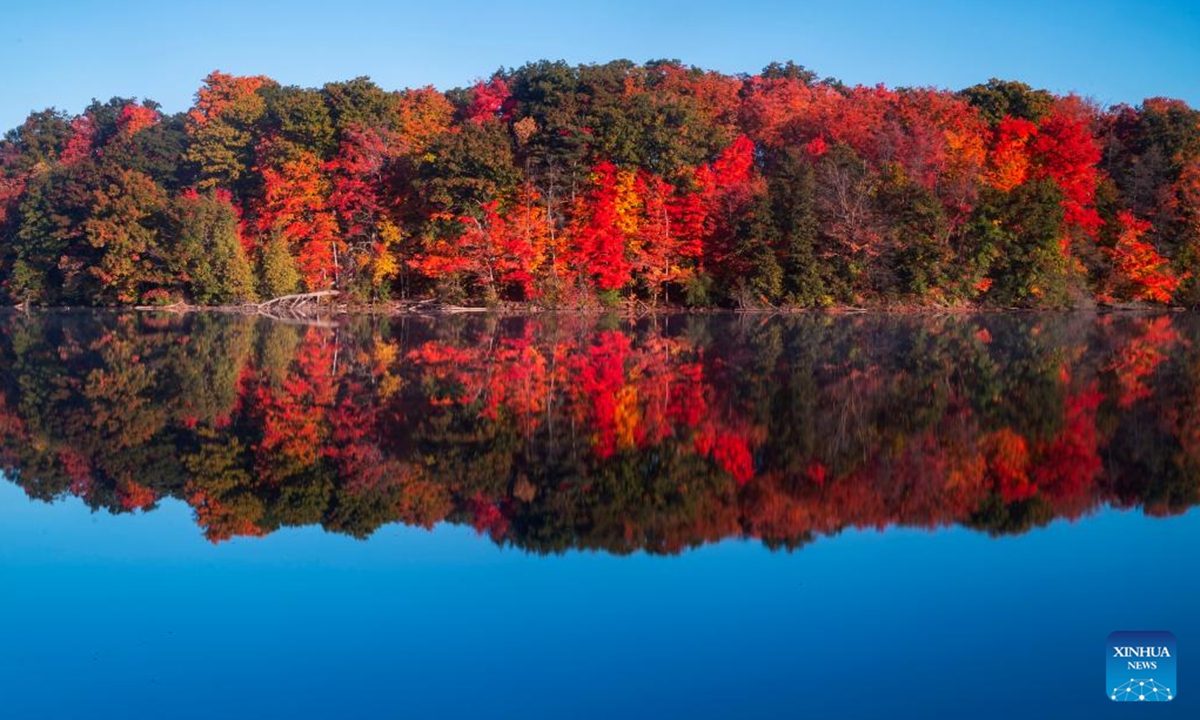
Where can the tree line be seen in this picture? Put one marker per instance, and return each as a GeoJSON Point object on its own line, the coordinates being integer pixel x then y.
{"type": "Point", "coordinates": [605, 184]}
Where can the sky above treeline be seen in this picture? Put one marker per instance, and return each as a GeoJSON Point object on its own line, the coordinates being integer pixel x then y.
{"type": "Point", "coordinates": [62, 53]}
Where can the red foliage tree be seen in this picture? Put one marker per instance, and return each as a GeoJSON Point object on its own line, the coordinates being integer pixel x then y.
{"type": "Point", "coordinates": [1008, 165]}
{"type": "Point", "coordinates": [1066, 151]}
{"type": "Point", "coordinates": [489, 101]}
{"type": "Point", "coordinates": [599, 243]}
{"type": "Point", "coordinates": [134, 118]}
{"type": "Point", "coordinates": [1141, 273]}
{"type": "Point", "coordinates": [80, 143]}
{"type": "Point", "coordinates": [295, 205]}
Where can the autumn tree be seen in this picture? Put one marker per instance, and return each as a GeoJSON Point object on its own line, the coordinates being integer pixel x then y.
{"type": "Point", "coordinates": [358, 199]}
{"type": "Point", "coordinates": [295, 208]}
{"type": "Point", "coordinates": [1066, 151]}
{"type": "Point", "coordinates": [598, 238]}
{"type": "Point", "coordinates": [1140, 273]}
{"type": "Point", "coordinates": [500, 252]}
{"type": "Point", "coordinates": [223, 126]}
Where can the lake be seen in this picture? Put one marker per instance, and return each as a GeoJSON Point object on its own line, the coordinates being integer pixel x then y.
{"type": "Point", "coordinates": [701, 516]}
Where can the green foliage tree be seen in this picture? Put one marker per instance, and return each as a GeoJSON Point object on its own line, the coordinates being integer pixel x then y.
{"type": "Point", "coordinates": [466, 169]}
{"type": "Point", "coordinates": [924, 258]}
{"type": "Point", "coordinates": [278, 274]}
{"type": "Point", "coordinates": [1014, 247]}
{"type": "Point", "coordinates": [999, 98]}
{"type": "Point", "coordinates": [208, 254]}
{"type": "Point", "coordinates": [360, 103]}
{"type": "Point", "coordinates": [299, 120]}
{"type": "Point", "coordinates": [789, 211]}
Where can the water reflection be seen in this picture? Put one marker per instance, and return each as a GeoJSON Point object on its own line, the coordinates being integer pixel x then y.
{"type": "Point", "coordinates": [556, 432]}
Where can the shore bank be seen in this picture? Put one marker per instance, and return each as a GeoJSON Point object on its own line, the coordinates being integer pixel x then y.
{"type": "Point", "coordinates": [326, 304]}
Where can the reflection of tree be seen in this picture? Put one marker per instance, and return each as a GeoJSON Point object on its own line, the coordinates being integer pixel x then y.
{"type": "Point", "coordinates": [561, 432]}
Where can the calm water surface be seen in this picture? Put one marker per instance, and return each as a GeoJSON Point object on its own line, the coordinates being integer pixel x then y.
{"type": "Point", "coordinates": [561, 516]}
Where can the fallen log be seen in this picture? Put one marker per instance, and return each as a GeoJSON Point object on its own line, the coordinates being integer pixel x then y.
{"type": "Point", "coordinates": [178, 307]}
{"type": "Point", "coordinates": [297, 299]}
{"type": "Point", "coordinates": [440, 308]}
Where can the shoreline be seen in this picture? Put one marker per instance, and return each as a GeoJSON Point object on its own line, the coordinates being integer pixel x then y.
{"type": "Point", "coordinates": [306, 310]}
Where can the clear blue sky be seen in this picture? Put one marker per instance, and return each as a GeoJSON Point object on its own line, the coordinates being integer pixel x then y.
{"type": "Point", "coordinates": [64, 52]}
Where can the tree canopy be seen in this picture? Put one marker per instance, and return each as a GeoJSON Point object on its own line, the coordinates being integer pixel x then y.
{"type": "Point", "coordinates": [607, 183]}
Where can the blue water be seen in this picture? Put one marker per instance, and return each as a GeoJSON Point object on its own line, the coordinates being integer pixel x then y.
{"type": "Point", "coordinates": [572, 516]}
{"type": "Point", "coordinates": [136, 616]}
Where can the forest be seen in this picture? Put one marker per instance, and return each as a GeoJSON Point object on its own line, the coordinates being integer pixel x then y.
{"type": "Point", "coordinates": [563, 431]}
{"type": "Point", "coordinates": [607, 185]}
